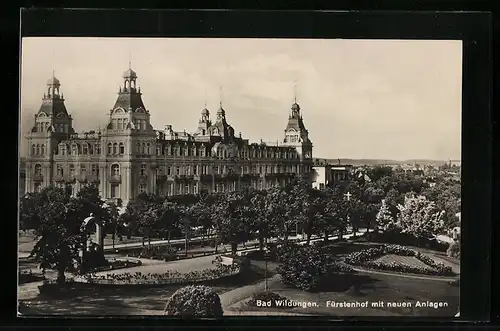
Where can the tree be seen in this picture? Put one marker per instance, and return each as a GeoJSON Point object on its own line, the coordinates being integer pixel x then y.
{"type": "Point", "coordinates": [331, 217]}
{"type": "Point", "coordinates": [169, 217]}
{"type": "Point", "coordinates": [147, 222]}
{"type": "Point", "coordinates": [59, 218]}
{"type": "Point", "coordinates": [420, 218]}
{"type": "Point", "coordinates": [384, 219]}
{"type": "Point", "coordinates": [262, 215]}
{"type": "Point", "coordinates": [306, 207]}
{"type": "Point", "coordinates": [232, 213]}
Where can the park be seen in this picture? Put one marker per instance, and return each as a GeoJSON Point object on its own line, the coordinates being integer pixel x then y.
{"type": "Point", "coordinates": [372, 240]}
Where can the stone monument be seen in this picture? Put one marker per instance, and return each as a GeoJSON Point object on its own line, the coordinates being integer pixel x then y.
{"type": "Point", "coordinates": [92, 253]}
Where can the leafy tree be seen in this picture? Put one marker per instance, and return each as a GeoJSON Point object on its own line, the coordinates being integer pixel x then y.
{"type": "Point", "coordinates": [307, 207]}
{"type": "Point", "coordinates": [262, 211]}
{"type": "Point", "coordinates": [58, 217]}
{"type": "Point", "coordinates": [378, 172]}
{"type": "Point", "coordinates": [147, 222]}
{"type": "Point", "coordinates": [232, 213]}
{"type": "Point", "coordinates": [384, 219]}
{"type": "Point", "coordinates": [420, 218]}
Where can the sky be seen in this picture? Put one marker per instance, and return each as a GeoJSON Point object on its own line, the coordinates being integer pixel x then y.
{"type": "Point", "coordinates": [360, 99]}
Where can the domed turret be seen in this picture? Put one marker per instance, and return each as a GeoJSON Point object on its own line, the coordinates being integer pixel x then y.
{"type": "Point", "coordinates": [53, 81]}
{"type": "Point", "coordinates": [129, 74]}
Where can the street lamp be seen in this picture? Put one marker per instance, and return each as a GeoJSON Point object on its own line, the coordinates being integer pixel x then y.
{"type": "Point", "coordinates": [266, 256]}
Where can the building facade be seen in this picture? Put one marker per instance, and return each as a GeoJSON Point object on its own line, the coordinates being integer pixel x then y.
{"type": "Point", "coordinates": [324, 175]}
{"type": "Point", "coordinates": [130, 157]}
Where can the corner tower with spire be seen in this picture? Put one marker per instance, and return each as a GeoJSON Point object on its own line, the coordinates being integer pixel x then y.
{"type": "Point", "coordinates": [297, 135]}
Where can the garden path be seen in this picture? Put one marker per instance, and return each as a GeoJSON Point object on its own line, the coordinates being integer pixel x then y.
{"type": "Point", "coordinates": [442, 279]}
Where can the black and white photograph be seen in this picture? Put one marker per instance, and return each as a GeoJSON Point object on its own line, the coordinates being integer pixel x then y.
{"type": "Point", "coordinates": [210, 177]}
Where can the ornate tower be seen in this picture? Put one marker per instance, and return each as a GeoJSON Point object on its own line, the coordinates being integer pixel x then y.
{"type": "Point", "coordinates": [52, 124]}
{"type": "Point", "coordinates": [296, 135]}
{"type": "Point", "coordinates": [129, 142]}
{"type": "Point", "coordinates": [204, 123]}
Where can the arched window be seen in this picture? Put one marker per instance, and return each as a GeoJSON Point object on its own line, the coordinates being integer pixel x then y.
{"type": "Point", "coordinates": [158, 149]}
{"type": "Point", "coordinates": [115, 170]}
{"type": "Point", "coordinates": [110, 149]}
{"type": "Point", "coordinates": [115, 148]}
{"type": "Point", "coordinates": [38, 169]}
{"type": "Point", "coordinates": [143, 170]}
{"type": "Point", "coordinates": [138, 147]}
{"type": "Point", "coordinates": [33, 149]}
{"type": "Point", "coordinates": [148, 151]}
{"type": "Point", "coordinates": [85, 149]}
{"type": "Point", "coordinates": [143, 148]}
{"type": "Point", "coordinates": [122, 149]}
{"type": "Point", "coordinates": [74, 149]}
{"type": "Point", "coordinates": [42, 149]}
{"type": "Point", "coordinates": [37, 149]}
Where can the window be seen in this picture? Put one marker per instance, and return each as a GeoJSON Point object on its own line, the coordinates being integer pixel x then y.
{"type": "Point", "coordinates": [72, 170]}
{"type": "Point", "coordinates": [115, 148]}
{"type": "Point", "coordinates": [178, 170]}
{"type": "Point", "coordinates": [169, 171]}
{"type": "Point", "coordinates": [158, 150]}
{"type": "Point", "coordinates": [195, 170]}
{"type": "Point", "coordinates": [142, 188]}
{"type": "Point", "coordinates": [110, 149]}
{"type": "Point", "coordinates": [143, 148]}
{"type": "Point", "coordinates": [37, 149]}
{"type": "Point", "coordinates": [60, 170]}
{"type": "Point", "coordinates": [95, 170]}
{"type": "Point", "coordinates": [74, 149]}
{"type": "Point", "coordinates": [42, 150]}
{"type": "Point", "coordinates": [38, 169]}
{"type": "Point", "coordinates": [138, 147]}
{"type": "Point", "coordinates": [114, 190]}
{"type": "Point", "coordinates": [98, 149]}
{"type": "Point", "coordinates": [33, 150]}
{"type": "Point", "coordinates": [83, 169]}
{"type": "Point", "coordinates": [179, 189]}
{"type": "Point", "coordinates": [143, 170]}
{"type": "Point", "coordinates": [115, 170]}
{"type": "Point", "coordinates": [186, 189]}
{"type": "Point", "coordinates": [195, 188]}
{"type": "Point", "coordinates": [122, 149]}
{"type": "Point", "coordinates": [85, 149]}
{"type": "Point", "coordinates": [321, 186]}
{"type": "Point", "coordinates": [148, 149]}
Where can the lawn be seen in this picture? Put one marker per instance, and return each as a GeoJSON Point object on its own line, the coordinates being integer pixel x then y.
{"type": "Point", "coordinates": [372, 288]}
{"type": "Point", "coordinates": [402, 260]}
{"type": "Point", "coordinates": [120, 300]}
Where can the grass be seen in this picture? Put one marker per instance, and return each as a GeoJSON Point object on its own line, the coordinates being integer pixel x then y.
{"type": "Point", "coordinates": [121, 300]}
{"type": "Point", "coordinates": [411, 261]}
{"type": "Point", "coordinates": [373, 288]}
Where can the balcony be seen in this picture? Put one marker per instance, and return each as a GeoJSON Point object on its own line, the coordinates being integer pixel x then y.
{"type": "Point", "coordinates": [93, 178]}
{"type": "Point", "coordinates": [60, 178]}
{"type": "Point", "coordinates": [38, 178]}
{"type": "Point", "coordinates": [115, 179]}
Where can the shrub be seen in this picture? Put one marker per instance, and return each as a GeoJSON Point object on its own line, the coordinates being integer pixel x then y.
{"type": "Point", "coordinates": [166, 253]}
{"type": "Point", "coordinates": [267, 296]}
{"type": "Point", "coordinates": [308, 267]}
{"type": "Point", "coordinates": [194, 301]}
{"type": "Point", "coordinates": [454, 250]}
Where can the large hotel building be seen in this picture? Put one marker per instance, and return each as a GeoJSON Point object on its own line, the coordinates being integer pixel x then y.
{"type": "Point", "coordinates": [129, 157]}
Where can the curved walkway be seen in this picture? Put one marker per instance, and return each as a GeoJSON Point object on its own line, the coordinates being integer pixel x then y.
{"type": "Point", "coordinates": [447, 279]}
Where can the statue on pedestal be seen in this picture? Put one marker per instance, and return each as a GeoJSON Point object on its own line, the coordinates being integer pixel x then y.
{"type": "Point", "coordinates": [92, 254]}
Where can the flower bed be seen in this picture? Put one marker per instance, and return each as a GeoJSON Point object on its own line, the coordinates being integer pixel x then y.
{"type": "Point", "coordinates": [166, 278]}
{"type": "Point", "coordinates": [366, 257]}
